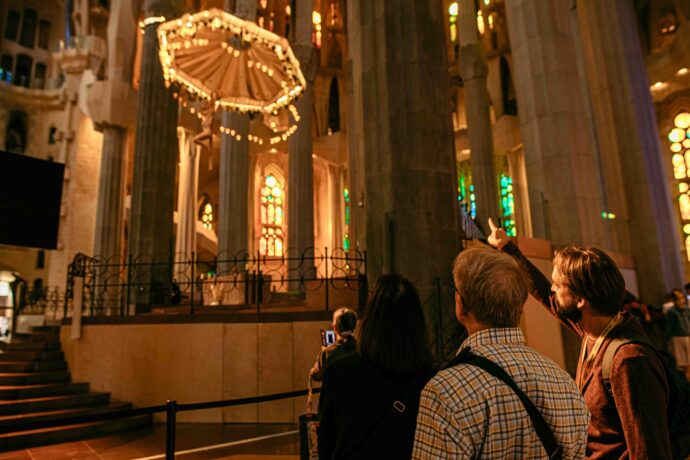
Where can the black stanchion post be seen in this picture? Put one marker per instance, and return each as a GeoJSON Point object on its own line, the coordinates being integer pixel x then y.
{"type": "Point", "coordinates": [171, 413]}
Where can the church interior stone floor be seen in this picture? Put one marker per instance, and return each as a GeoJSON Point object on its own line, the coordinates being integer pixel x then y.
{"type": "Point", "coordinates": [194, 441]}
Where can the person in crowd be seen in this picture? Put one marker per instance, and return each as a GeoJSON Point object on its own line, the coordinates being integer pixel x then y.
{"type": "Point", "coordinates": [368, 404]}
{"type": "Point", "coordinates": [628, 412]}
{"type": "Point", "coordinates": [344, 323]}
{"type": "Point", "coordinates": [687, 291]}
{"type": "Point", "coordinates": [678, 331]}
{"type": "Point", "coordinates": [464, 411]}
{"type": "Point", "coordinates": [651, 318]}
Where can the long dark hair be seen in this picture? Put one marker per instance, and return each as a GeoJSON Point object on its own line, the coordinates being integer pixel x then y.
{"type": "Point", "coordinates": [393, 331]}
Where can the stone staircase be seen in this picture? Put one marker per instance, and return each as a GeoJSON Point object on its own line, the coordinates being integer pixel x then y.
{"type": "Point", "coordinates": [35, 385]}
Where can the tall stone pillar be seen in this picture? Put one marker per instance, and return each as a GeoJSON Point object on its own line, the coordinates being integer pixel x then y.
{"type": "Point", "coordinates": [300, 190]}
{"type": "Point", "coordinates": [111, 194]}
{"type": "Point", "coordinates": [155, 159]}
{"type": "Point", "coordinates": [474, 71]}
{"type": "Point", "coordinates": [633, 165]}
{"type": "Point", "coordinates": [185, 238]}
{"type": "Point", "coordinates": [408, 144]}
{"type": "Point", "coordinates": [111, 103]}
{"type": "Point", "coordinates": [564, 193]}
{"type": "Point", "coordinates": [233, 220]}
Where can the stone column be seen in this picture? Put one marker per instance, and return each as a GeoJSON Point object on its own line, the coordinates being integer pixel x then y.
{"type": "Point", "coordinates": [155, 159]}
{"type": "Point", "coordinates": [408, 145]}
{"type": "Point", "coordinates": [474, 70]}
{"type": "Point", "coordinates": [233, 221]}
{"type": "Point", "coordinates": [564, 193]}
{"type": "Point", "coordinates": [629, 134]}
{"type": "Point", "coordinates": [354, 129]}
{"type": "Point", "coordinates": [112, 103]}
{"type": "Point", "coordinates": [300, 189]}
{"type": "Point", "coordinates": [111, 194]}
{"type": "Point", "coordinates": [185, 238]}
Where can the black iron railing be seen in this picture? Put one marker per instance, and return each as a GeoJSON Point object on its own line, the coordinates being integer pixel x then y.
{"type": "Point", "coordinates": [328, 278]}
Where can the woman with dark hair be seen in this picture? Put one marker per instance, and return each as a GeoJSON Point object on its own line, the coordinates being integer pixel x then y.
{"type": "Point", "coordinates": [369, 401]}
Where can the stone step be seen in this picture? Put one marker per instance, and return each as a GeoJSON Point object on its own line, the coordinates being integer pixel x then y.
{"type": "Point", "coordinates": [53, 329]}
{"type": "Point", "coordinates": [37, 336]}
{"type": "Point", "coordinates": [32, 366]}
{"type": "Point", "coordinates": [47, 389]}
{"type": "Point", "coordinates": [33, 438]}
{"type": "Point", "coordinates": [27, 345]}
{"type": "Point", "coordinates": [32, 405]}
{"type": "Point", "coordinates": [9, 422]}
{"type": "Point", "coordinates": [34, 378]}
{"type": "Point", "coordinates": [6, 356]}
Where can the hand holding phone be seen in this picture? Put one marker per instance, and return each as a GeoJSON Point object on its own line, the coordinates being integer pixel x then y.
{"type": "Point", "coordinates": [327, 337]}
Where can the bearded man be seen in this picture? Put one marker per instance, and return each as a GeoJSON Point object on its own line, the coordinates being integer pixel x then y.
{"type": "Point", "coordinates": [628, 410]}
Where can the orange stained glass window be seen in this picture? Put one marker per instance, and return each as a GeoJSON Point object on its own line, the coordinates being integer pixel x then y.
{"type": "Point", "coordinates": [272, 205]}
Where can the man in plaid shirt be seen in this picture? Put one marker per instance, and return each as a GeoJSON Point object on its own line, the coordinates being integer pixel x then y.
{"type": "Point", "coordinates": [465, 412]}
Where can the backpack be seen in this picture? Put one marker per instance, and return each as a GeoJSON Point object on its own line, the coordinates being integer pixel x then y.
{"type": "Point", "coordinates": [678, 412]}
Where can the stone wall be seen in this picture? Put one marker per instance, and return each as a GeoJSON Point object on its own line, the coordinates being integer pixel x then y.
{"type": "Point", "coordinates": [148, 364]}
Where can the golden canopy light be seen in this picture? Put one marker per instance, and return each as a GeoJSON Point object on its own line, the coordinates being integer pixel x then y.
{"type": "Point", "coordinates": [232, 63]}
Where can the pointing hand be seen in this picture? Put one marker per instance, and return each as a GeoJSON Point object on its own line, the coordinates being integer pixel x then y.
{"type": "Point", "coordinates": [498, 237]}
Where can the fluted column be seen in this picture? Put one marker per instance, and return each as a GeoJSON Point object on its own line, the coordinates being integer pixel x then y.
{"type": "Point", "coordinates": [155, 159]}
{"type": "Point", "coordinates": [110, 195]}
{"type": "Point", "coordinates": [185, 238]}
{"type": "Point", "coordinates": [233, 220]}
{"type": "Point", "coordinates": [634, 169]}
{"type": "Point", "coordinates": [474, 71]}
{"type": "Point", "coordinates": [233, 188]}
{"type": "Point", "coordinates": [300, 190]}
{"type": "Point", "coordinates": [560, 153]}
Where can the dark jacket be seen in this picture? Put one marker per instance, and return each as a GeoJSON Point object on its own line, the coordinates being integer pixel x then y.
{"type": "Point", "coordinates": [630, 423]}
{"type": "Point", "coordinates": [342, 348]}
{"type": "Point", "coordinates": [677, 323]}
{"type": "Point", "coordinates": [356, 397]}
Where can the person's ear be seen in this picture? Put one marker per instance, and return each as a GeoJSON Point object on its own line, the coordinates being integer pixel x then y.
{"type": "Point", "coordinates": [582, 303]}
{"type": "Point", "coordinates": [458, 306]}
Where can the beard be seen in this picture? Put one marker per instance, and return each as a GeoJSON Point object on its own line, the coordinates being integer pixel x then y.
{"type": "Point", "coordinates": [568, 310]}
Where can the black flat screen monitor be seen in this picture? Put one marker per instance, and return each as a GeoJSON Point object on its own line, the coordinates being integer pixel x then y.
{"type": "Point", "coordinates": [30, 194]}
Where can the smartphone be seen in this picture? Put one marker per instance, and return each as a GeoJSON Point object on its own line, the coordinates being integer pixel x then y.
{"type": "Point", "coordinates": [327, 337]}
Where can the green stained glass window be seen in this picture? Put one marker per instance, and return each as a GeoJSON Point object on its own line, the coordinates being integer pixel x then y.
{"type": "Point", "coordinates": [507, 204]}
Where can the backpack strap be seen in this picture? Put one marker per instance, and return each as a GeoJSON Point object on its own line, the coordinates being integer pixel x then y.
{"type": "Point", "coordinates": [611, 350]}
{"type": "Point", "coordinates": [548, 440]}
{"type": "Point", "coordinates": [607, 362]}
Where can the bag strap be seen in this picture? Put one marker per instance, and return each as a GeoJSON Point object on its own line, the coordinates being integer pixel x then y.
{"type": "Point", "coordinates": [310, 398]}
{"type": "Point", "coordinates": [397, 408]}
{"type": "Point", "coordinates": [607, 362]}
{"type": "Point", "coordinates": [548, 440]}
{"type": "Point", "coordinates": [613, 347]}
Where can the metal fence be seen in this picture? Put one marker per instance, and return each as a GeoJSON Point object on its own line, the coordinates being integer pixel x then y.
{"type": "Point", "coordinates": [314, 278]}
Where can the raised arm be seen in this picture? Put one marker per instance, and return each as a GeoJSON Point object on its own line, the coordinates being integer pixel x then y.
{"type": "Point", "coordinates": [540, 287]}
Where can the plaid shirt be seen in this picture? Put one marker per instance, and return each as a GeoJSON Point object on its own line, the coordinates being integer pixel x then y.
{"type": "Point", "coordinates": [465, 412]}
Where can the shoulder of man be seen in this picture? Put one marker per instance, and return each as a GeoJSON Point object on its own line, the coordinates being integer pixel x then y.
{"type": "Point", "coordinates": [633, 356]}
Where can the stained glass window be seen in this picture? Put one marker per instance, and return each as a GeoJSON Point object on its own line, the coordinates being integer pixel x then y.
{"type": "Point", "coordinates": [453, 13]}
{"type": "Point", "coordinates": [466, 195]}
{"type": "Point", "coordinates": [206, 214]}
{"type": "Point", "coordinates": [272, 231]}
{"type": "Point", "coordinates": [679, 146]}
{"type": "Point", "coordinates": [508, 204]}
{"type": "Point", "coordinates": [316, 34]}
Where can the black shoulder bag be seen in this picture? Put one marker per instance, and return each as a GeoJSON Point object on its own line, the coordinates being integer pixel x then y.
{"type": "Point", "coordinates": [553, 450]}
